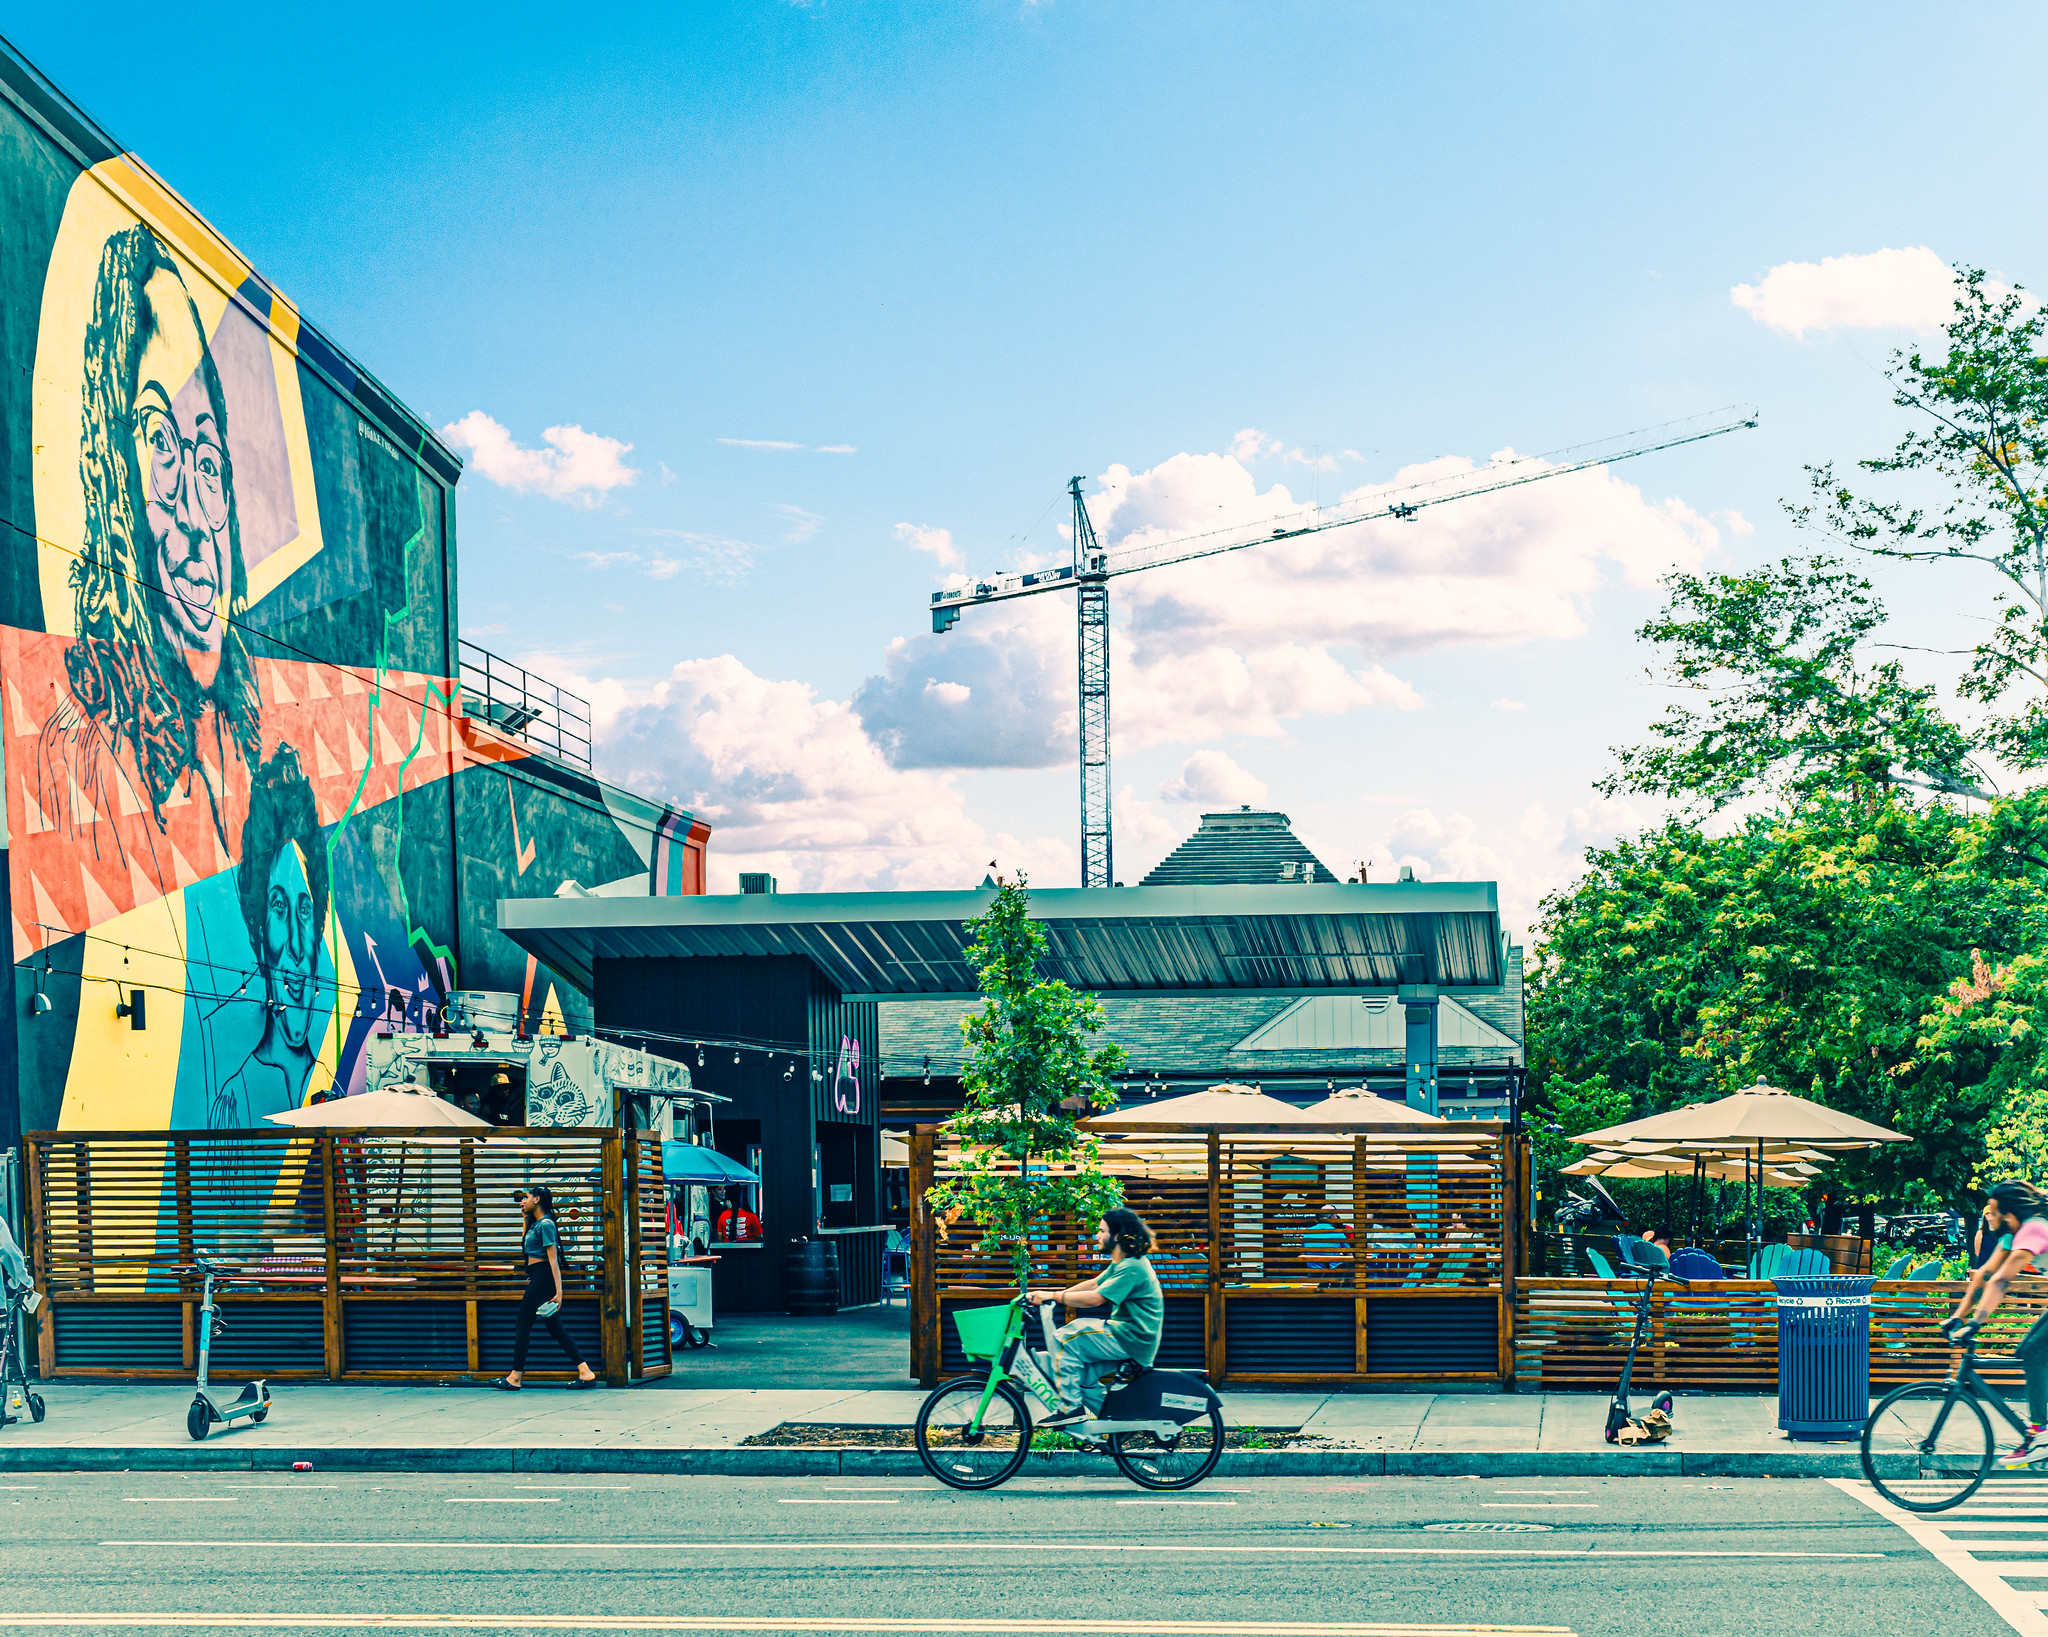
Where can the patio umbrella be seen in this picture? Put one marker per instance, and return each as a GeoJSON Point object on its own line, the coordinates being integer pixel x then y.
{"type": "Point", "coordinates": [1755, 1115]}
{"type": "Point", "coordinates": [392, 1109]}
{"type": "Point", "coordinates": [1215, 1109]}
{"type": "Point", "coordinates": [1609, 1163]}
{"type": "Point", "coordinates": [1357, 1105]}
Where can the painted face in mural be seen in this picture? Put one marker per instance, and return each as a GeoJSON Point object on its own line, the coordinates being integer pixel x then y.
{"type": "Point", "coordinates": [291, 943]}
{"type": "Point", "coordinates": [181, 459]}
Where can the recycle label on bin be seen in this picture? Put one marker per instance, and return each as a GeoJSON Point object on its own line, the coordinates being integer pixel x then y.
{"type": "Point", "coordinates": [1824, 1303]}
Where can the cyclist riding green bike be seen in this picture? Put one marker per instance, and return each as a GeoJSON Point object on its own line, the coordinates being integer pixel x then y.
{"type": "Point", "coordinates": [1090, 1350]}
{"type": "Point", "coordinates": [2018, 1213]}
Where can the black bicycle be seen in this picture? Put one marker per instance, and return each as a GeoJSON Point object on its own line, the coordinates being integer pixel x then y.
{"type": "Point", "coordinates": [1928, 1446]}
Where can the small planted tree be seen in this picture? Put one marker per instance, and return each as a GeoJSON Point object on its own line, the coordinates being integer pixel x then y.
{"type": "Point", "coordinates": [1032, 1071]}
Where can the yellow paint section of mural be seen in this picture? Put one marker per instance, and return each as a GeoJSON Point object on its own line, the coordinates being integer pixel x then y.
{"type": "Point", "coordinates": [123, 1078]}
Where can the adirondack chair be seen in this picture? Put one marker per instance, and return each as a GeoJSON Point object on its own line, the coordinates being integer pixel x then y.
{"type": "Point", "coordinates": [1769, 1261]}
{"type": "Point", "coordinates": [1803, 1262]}
{"type": "Point", "coordinates": [1452, 1272]}
{"type": "Point", "coordinates": [1696, 1264]}
{"type": "Point", "coordinates": [1926, 1270]}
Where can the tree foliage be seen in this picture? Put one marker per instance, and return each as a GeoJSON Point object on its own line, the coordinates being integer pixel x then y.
{"type": "Point", "coordinates": [1982, 436]}
{"type": "Point", "coordinates": [1806, 949]}
{"type": "Point", "coordinates": [1031, 1073]}
{"type": "Point", "coordinates": [1790, 700]}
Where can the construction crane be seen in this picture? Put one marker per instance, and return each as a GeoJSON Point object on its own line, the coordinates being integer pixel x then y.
{"type": "Point", "coordinates": [1092, 568]}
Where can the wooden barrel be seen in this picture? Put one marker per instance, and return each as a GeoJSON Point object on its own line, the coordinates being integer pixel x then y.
{"type": "Point", "coordinates": [811, 1277]}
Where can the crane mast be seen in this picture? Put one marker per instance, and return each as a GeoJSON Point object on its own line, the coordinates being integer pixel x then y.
{"type": "Point", "coordinates": [1091, 588]}
{"type": "Point", "coordinates": [1092, 568]}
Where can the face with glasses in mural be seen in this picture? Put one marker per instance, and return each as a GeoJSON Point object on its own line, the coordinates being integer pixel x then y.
{"type": "Point", "coordinates": [181, 453]}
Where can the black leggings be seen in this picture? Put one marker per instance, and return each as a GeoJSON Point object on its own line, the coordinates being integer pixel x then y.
{"type": "Point", "coordinates": [540, 1288]}
{"type": "Point", "coordinates": [2033, 1353]}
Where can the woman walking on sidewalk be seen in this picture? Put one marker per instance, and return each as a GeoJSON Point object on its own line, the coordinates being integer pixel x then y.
{"type": "Point", "coordinates": [543, 1298]}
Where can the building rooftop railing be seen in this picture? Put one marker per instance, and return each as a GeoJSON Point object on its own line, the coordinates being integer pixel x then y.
{"type": "Point", "coordinates": [552, 720]}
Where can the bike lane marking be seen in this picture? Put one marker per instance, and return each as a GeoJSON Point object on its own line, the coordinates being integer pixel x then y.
{"type": "Point", "coordinates": [2018, 1609]}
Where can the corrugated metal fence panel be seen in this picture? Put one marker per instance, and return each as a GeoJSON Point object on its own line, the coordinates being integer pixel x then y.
{"type": "Point", "coordinates": [860, 1268]}
{"type": "Point", "coordinates": [497, 1325]}
{"type": "Point", "coordinates": [411, 1334]}
{"type": "Point", "coordinates": [1277, 1336]}
{"type": "Point", "coordinates": [1432, 1335]}
{"type": "Point", "coordinates": [119, 1335]}
{"type": "Point", "coordinates": [654, 1352]}
{"type": "Point", "coordinates": [263, 1337]}
{"type": "Point", "coordinates": [1183, 1337]}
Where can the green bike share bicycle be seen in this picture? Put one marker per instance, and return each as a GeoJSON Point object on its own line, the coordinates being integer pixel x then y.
{"type": "Point", "coordinates": [1164, 1428]}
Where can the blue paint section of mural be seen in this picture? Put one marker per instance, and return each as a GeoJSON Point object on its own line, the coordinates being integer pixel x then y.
{"type": "Point", "coordinates": [237, 778]}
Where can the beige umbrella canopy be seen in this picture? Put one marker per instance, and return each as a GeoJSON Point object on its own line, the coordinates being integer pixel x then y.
{"type": "Point", "coordinates": [1217, 1108]}
{"type": "Point", "coordinates": [388, 1110]}
{"type": "Point", "coordinates": [1356, 1105]}
{"type": "Point", "coordinates": [1609, 1163]}
{"type": "Point", "coordinates": [1756, 1114]}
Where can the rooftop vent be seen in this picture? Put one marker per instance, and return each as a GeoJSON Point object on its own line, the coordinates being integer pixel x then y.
{"type": "Point", "coordinates": [757, 883]}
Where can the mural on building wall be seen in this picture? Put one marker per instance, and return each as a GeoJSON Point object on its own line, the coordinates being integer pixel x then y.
{"type": "Point", "coordinates": [235, 768]}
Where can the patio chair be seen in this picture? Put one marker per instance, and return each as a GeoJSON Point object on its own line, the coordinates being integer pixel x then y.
{"type": "Point", "coordinates": [1696, 1264]}
{"type": "Point", "coordinates": [895, 1269]}
{"type": "Point", "coordinates": [1451, 1272]}
{"type": "Point", "coordinates": [1803, 1262]}
{"type": "Point", "coordinates": [1769, 1261]}
{"type": "Point", "coordinates": [1926, 1270]}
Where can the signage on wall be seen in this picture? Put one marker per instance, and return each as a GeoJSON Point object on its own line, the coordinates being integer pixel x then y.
{"type": "Point", "coordinates": [846, 1078]}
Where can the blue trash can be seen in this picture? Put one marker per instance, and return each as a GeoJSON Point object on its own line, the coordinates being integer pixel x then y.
{"type": "Point", "coordinates": [1823, 1355]}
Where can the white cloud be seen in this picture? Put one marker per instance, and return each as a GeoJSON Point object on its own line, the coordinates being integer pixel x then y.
{"type": "Point", "coordinates": [1538, 856]}
{"type": "Point", "coordinates": [792, 785]}
{"type": "Point", "coordinates": [662, 568]}
{"type": "Point", "coordinates": [802, 524]}
{"type": "Point", "coordinates": [1507, 705]}
{"type": "Point", "coordinates": [1912, 289]}
{"type": "Point", "coordinates": [716, 557]}
{"type": "Point", "coordinates": [1251, 443]}
{"type": "Point", "coordinates": [1213, 779]}
{"type": "Point", "coordinates": [759, 443]}
{"type": "Point", "coordinates": [578, 465]}
{"type": "Point", "coordinates": [939, 542]}
{"type": "Point", "coordinates": [837, 449]}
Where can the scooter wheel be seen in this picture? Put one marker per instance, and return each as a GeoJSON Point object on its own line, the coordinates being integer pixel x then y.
{"type": "Point", "coordinates": [36, 1409]}
{"type": "Point", "coordinates": [258, 1415]}
{"type": "Point", "coordinates": [198, 1419]}
{"type": "Point", "coordinates": [1662, 1402]}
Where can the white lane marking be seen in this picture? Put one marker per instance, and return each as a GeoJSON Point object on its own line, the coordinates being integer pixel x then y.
{"type": "Point", "coordinates": [822, 1500]}
{"type": "Point", "coordinates": [1543, 1491]}
{"type": "Point", "coordinates": [877, 1489]}
{"type": "Point", "coordinates": [743, 1622]}
{"type": "Point", "coordinates": [567, 1487]}
{"type": "Point", "coordinates": [499, 1500]}
{"type": "Point", "coordinates": [185, 1500]}
{"type": "Point", "coordinates": [2016, 1608]}
{"type": "Point", "coordinates": [1176, 1503]}
{"type": "Point", "coordinates": [868, 1548]}
{"type": "Point", "coordinates": [1540, 1506]}
{"type": "Point", "coordinates": [280, 1486]}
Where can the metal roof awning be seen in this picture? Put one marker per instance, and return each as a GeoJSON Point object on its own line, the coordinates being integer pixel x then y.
{"type": "Point", "coordinates": [1118, 941]}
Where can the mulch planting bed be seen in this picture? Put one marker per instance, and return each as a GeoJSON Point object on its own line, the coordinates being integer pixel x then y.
{"type": "Point", "coordinates": [805, 1435]}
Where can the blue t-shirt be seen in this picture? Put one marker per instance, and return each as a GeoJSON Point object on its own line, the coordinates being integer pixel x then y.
{"type": "Point", "coordinates": [542, 1234]}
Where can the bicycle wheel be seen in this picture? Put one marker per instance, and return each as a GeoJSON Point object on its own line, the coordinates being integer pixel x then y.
{"type": "Point", "coordinates": [1179, 1462]}
{"type": "Point", "coordinates": [1927, 1446]}
{"type": "Point", "coordinates": [966, 1459]}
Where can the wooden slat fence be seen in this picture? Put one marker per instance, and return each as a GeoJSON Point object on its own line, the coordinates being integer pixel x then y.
{"type": "Point", "coordinates": [1253, 1292]}
{"type": "Point", "coordinates": [1571, 1335]}
{"type": "Point", "coordinates": [364, 1255]}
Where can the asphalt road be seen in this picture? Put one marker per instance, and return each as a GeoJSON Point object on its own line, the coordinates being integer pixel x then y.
{"type": "Point", "coordinates": [289, 1552]}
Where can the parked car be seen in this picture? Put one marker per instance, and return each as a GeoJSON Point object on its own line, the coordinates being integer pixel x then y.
{"type": "Point", "coordinates": [1937, 1230]}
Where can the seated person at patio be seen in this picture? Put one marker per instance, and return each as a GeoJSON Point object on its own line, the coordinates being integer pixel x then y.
{"type": "Point", "coordinates": [2017, 1214]}
{"type": "Point", "coordinates": [1090, 1349]}
{"type": "Point", "coordinates": [1327, 1240]}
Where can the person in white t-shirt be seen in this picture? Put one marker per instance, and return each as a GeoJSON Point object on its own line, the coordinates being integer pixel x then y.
{"type": "Point", "coordinates": [2018, 1213]}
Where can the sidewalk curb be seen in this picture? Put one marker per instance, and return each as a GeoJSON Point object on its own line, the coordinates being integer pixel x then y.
{"type": "Point", "coordinates": [760, 1462]}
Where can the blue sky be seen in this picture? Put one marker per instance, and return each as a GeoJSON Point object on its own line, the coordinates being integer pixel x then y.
{"type": "Point", "coordinates": [972, 250]}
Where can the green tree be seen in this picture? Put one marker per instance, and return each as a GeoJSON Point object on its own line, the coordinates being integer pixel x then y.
{"type": "Point", "coordinates": [1792, 702]}
{"type": "Point", "coordinates": [1030, 1074]}
{"type": "Point", "coordinates": [1983, 438]}
{"type": "Point", "coordinates": [1804, 949]}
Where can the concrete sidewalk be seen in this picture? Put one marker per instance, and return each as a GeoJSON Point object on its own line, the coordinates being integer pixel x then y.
{"type": "Point", "coordinates": [669, 1428]}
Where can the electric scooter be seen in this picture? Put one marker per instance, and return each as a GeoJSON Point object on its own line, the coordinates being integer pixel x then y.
{"type": "Point", "coordinates": [206, 1409]}
{"type": "Point", "coordinates": [1650, 1260]}
{"type": "Point", "coordinates": [15, 1392]}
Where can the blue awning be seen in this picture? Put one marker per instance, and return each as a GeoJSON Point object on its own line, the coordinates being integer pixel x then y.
{"type": "Point", "coordinates": [691, 1162]}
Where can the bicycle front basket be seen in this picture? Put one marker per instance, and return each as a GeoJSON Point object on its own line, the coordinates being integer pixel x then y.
{"type": "Point", "coordinates": [983, 1330]}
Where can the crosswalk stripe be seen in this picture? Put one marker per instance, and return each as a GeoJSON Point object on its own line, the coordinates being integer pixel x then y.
{"type": "Point", "coordinates": [2020, 1610]}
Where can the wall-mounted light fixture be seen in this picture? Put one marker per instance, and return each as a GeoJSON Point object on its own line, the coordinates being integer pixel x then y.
{"type": "Point", "coordinates": [133, 1009]}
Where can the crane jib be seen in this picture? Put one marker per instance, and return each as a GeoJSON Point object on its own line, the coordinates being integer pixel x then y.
{"type": "Point", "coordinates": [1092, 568]}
